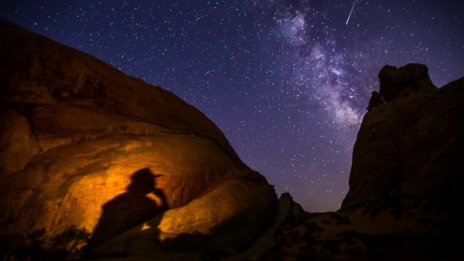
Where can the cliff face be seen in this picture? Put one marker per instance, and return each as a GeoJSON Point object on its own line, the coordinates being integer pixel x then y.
{"type": "Point", "coordinates": [84, 146]}
{"type": "Point", "coordinates": [405, 198]}
{"type": "Point", "coordinates": [411, 139]}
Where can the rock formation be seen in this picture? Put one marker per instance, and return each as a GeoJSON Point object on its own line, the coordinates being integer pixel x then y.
{"type": "Point", "coordinates": [84, 146]}
{"type": "Point", "coordinates": [405, 198]}
{"type": "Point", "coordinates": [411, 143]}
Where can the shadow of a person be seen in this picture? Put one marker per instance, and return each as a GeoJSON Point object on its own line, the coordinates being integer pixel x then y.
{"type": "Point", "coordinates": [130, 208]}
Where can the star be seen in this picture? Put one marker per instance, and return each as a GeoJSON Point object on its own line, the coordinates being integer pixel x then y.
{"type": "Point", "coordinates": [288, 82]}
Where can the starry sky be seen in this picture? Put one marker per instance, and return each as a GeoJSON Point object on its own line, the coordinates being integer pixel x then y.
{"type": "Point", "coordinates": [287, 81]}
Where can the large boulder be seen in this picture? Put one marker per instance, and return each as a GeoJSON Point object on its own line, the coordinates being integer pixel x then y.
{"type": "Point", "coordinates": [85, 146]}
{"type": "Point", "coordinates": [411, 143]}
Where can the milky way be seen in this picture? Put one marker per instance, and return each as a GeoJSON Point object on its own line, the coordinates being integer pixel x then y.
{"type": "Point", "coordinates": [287, 81]}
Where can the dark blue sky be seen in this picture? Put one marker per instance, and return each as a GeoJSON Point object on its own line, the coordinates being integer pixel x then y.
{"type": "Point", "coordinates": [287, 81]}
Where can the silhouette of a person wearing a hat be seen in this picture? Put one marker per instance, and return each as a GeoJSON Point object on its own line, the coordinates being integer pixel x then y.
{"type": "Point", "coordinates": [130, 208]}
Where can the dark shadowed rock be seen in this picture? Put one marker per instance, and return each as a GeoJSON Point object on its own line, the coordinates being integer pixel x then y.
{"type": "Point", "coordinates": [288, 212]}
{"type": "Point", "coordinates": [374, 101]}
{"type": "Point", "coordinates": [405, 198]}
{"type": "Point", "coordinates": [412, 143]}
{"type": "Point", "coordinates": [83, 145]}
{"type": "Point", "coordinates": [18, 143]}
{"type": "Point", "coordinates": [395, 80]}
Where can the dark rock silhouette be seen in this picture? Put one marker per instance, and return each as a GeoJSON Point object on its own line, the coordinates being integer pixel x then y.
{"type": "Point", "coordinates": [375, 101]}
{"type": "Point", "coordinates": [411, 143]}
{"type": "Point", "coordinates": [395, 80]}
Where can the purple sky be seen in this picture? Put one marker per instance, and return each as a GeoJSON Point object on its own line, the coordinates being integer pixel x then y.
{"type": "Point", "coordinates": [287, 81]}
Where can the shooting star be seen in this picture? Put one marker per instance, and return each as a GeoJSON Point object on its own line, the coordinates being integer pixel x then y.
{"type": "Point", "coordinates": [352, 8]}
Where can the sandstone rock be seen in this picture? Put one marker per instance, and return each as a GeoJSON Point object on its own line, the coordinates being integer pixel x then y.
{"type": "Point", "coordinates": [288, 211]}
{"type": "Point", "coordinates": [83, 145]}
{"type": "Point", "coordinates": [412, 143]}
{"type": "Point", "coordinates": [18, 143]}
{"type": "Point", "coordinates": [189, 227]}
{"type": "Point", "coordinates": [395, 80]}
{"type": "Point", "coordinates": [37, 71]}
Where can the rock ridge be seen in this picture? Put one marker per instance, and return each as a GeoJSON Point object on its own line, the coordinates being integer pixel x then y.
{"type": "Point", "coordinates": [410, 138]}
{"type": "Point", "coordinates": [85, 149]}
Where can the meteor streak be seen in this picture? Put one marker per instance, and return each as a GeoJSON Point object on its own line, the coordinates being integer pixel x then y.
{"type": "Point", "coordinates": [349, 16]}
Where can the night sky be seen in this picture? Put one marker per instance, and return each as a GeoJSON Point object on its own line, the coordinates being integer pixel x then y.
{"type": "Point", "coordinates": [287, 81]}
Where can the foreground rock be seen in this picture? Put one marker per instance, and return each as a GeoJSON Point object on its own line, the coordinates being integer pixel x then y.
{"type": "Point", "coordinates": [85, 148]}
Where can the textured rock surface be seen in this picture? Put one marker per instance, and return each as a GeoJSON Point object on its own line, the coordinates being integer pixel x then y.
{"type": "Point", "coordinates": [83, 144]}
{"type": "Point", "coordinates": [221, 203]}
{"type": "Point", "coordinates": [18, 144]}
{"type": "Point", "coordinates": [394, 229]}
{"type": "Point", "coordinates": [412, 143]}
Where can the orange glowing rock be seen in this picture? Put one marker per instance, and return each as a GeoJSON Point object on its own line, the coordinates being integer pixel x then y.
{"type": "Point", "coordinates": [90, 147]}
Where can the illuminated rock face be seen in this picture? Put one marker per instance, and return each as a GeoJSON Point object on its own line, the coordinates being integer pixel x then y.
{"type": "Point", "coordinates": [83, 144]}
